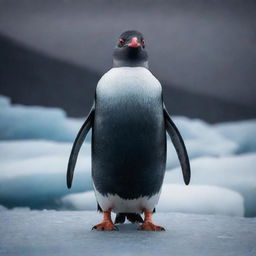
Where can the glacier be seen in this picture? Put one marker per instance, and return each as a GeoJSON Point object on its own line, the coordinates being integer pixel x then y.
{"type": "Point", "coordinates": [200, 199]}
{"type": "Point", "coordinates": [35, 143]}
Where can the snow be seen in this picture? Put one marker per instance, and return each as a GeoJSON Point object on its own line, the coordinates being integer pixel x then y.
{"type": "Point", "coordinates": [237, 173]}
{"type": "Point", "coordinates": [201, 147]}
{"type": "Point", "coordinates": [201, 139]}
{"type": "Point", "coordinates": [69, 233]}
{"type": "Point", "coordinates": [34, 122]}
{"type": "Point", "coordinates": [39, 181]}
{"type": "Point", "coordinates": [243, 133]}
{"type": "Point", "coordinates": [26, 122]}
{"type": "Point", "coordinates": [36, 177]}
{"type": "Point", "coordinates": [35, 143]}
{"type": "Point", "coordinates": [79, 201]}
{"type": "Point", "coordinates": [177, 198]}
{"type": "Point", "coordinates": [11, 150]}
{"type": "Point", "coordinates": [200, 199]}
{"type": "Point", "coordinates": [33, 172]}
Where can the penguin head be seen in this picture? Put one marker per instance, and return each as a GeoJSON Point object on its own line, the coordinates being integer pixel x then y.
{"type": "Point", "coordinates": [130, 50]}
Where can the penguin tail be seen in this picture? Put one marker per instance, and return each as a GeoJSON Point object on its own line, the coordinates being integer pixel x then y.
{"type": "Point", "coordinates": [120, 218]}
{"type": "Point", "coordinates": [132, 217]}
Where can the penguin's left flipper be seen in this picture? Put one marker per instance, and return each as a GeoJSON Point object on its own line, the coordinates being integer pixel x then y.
{"type": "Point", "coordinates": [179, 146]}
{"type": "Point", "coordinates": [77, 145]}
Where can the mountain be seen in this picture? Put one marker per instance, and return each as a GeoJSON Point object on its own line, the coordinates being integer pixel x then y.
{"type": "Point", "coordinates": [33, 78]}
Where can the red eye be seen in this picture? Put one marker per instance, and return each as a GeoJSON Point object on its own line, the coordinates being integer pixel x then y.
{"type": "Point", "coordinates": [121, 42]}
{"type": "Point", "coordinates": [143, 43]}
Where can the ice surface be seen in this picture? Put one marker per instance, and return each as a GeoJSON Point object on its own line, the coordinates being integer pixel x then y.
{"type": "Point", "coordinates": [219, 146]}
{"type": "Point", "coordinates": [28, 149]}
{"type": "Point", "coordinates": [26, 122]}
{"type": "Point", "coordinates": [33, 173]}
{"type": "Point", "coordinates": [33, 170]}
{"type": "Point", "coordinates": [79, 201]}
{"type": "Point", "coordinates": [34, 122]}
{"type": "Point", "coordinates": [196, 129]}
{"type": "Point", "coordinates": [200, 199]}
{"type": "Point", "coordinates": [2, 208]}
{"type": "Point", "coordinates": [69, 233]}
{"type": "Point", "coordinates": [243, 133]}
{"type": "Point", "coordinates": [177, 198]}
{"type": "Point", "coordinates": [234, 172]}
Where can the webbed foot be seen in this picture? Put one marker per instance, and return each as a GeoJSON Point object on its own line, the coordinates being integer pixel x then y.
{"type": "Point", "coordinates": [106, 224]}
{"type": "Point", "coordinates": [148, 224]}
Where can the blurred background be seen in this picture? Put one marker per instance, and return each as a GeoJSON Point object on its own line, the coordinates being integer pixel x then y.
{"type": "Point", "coordinates": [52, 53]}
{"type": "Point", "coordinates": [203, 52]}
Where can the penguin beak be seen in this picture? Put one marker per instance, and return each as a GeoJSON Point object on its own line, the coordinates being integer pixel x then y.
{"type": "Point", "coordinates": [134, 43]}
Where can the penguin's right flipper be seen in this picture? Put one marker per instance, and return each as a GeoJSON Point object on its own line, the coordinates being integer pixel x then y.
{"type": "Point", "coordinates": [77, 145]}
{"type": "Point", "coordinates": [179, 146]}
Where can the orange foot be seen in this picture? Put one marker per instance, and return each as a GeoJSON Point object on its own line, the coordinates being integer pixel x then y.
{"type": "Point", "coordinates": [150, 226]}
{"type": "Point", "coordinates": [105, 226]}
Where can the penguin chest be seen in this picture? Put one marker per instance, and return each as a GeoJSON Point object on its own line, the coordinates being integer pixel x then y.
{"type": "Point", "coordinates": [118, 204]}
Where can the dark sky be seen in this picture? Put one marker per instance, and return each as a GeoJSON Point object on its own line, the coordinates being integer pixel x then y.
{"type": "Point", "coordinates": [206, 47]}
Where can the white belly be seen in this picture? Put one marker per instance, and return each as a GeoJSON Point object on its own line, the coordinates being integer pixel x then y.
{"type": "Point", "coordinates": [117, 204]}
{"type": "Point", "coordinates": [122, 84]}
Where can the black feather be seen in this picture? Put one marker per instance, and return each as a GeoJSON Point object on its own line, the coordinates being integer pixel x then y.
{"type": "Point", "coordinates": [120, 218]}
{"type": "Point", "coordinates": [132, 217]}
{"type": "Point", "coordinates": [99, 208]}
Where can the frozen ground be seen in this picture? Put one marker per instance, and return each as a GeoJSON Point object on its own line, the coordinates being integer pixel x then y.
{"type": "Point", "coordinates": [69, 233]}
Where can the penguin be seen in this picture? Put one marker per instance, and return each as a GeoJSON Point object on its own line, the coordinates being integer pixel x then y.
{"type": "Point", "coordinates": [129, 122]}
